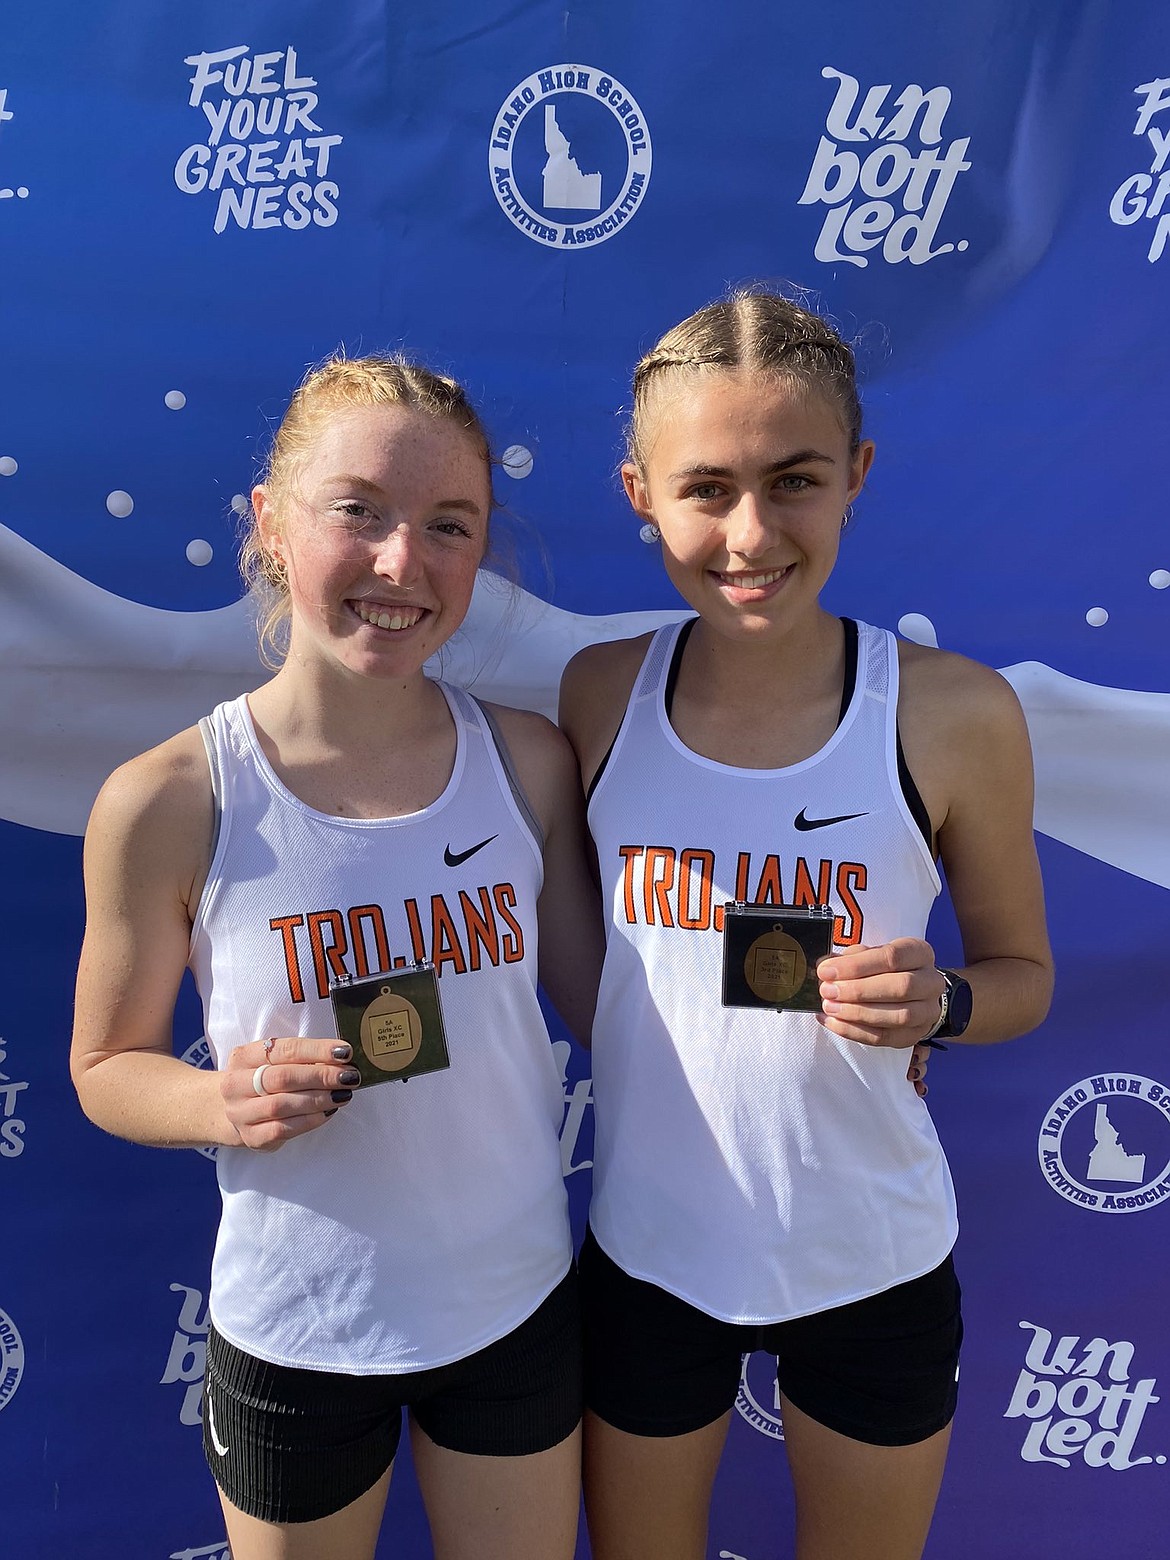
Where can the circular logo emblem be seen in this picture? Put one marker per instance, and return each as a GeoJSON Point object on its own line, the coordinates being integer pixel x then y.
{"type": "Point", "coordinates": [757, 1387]}
{"type": "Point", "coordinates": [1105, 1144]}
{"type": "Point", "coordinates": [11, 1359]}
{"type": "Point", "coordinates": [199, 1055]}
{"type": "Point", "coordinates": [569, 156]}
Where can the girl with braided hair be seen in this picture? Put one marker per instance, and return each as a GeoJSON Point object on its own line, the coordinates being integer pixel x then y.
{"type": "Point", "coordinates": [768, 1179]}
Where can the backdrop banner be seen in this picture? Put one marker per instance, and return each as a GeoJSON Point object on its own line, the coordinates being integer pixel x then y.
{"type": "Point", "coordinates": [199, 200]}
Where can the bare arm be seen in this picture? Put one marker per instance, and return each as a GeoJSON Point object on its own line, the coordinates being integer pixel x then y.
{"type": "Point", "coordinates": [146, 856]}
{"type": "Point", "coordinates": [595, 690]}
{"type": "Point", "coordinates": [988, 851]}
{"type": "Point", "coordinates": [569, 910]}
{"type": "Point", "coordinates": [967, 746]}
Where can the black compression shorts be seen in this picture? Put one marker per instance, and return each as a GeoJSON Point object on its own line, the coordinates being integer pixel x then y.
{"type": "Point", "coordinates": [292, 1445]}
{"type": "Point", "coordinates": [883, 1370]}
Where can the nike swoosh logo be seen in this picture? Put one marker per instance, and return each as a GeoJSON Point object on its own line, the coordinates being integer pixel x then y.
{"type": "Point", "coordinates": [804, 823]}
{"type": "Point", "coordinates": [215, 1440]}
{"type": "Point", "coordinates": [454, 861]}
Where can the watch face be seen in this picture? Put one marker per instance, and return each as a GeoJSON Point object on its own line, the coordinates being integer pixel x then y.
{"type": "Point", "coordinates": [958, 1005]}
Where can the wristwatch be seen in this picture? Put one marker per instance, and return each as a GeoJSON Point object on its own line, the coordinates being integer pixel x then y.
{"type": "Point", "coordinates": [954, 1008]}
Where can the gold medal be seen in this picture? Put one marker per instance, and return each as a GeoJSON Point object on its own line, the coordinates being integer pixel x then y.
{"type": "Point", "coordinates": [394, 1022]}
{"type": "Point", "coordinates": [775, 966]}
{"type": "Point", "coordinates": [391, 1031]}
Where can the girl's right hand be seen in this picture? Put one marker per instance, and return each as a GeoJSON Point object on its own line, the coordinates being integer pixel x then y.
{"type": "Point", "coordinates": [916, 1072]}
{"type": "Point", "coordinates": [303, 1083]}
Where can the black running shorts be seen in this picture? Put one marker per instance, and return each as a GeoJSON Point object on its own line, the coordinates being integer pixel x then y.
{"type": "Point", "coordinates": [292, 1445]}
{"type": "Point", "coordinates": [883, 1370]}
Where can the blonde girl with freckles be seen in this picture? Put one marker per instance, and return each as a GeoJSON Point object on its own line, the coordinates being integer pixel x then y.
{"type": "Point", "coordinates": [771, 1180]}
{"type": "Point", "coordinates": [404, 1247]}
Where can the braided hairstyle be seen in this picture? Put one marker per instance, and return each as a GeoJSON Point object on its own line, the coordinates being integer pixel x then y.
{"type": "Point", "coordinates": [760, 331]}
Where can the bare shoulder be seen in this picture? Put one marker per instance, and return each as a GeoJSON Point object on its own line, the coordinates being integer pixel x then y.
{"type": "Point", "coordinates": [156, 812]}
{"type": "Point", "coordinates": [595, 690]}
{"type": "Point", "coordinates": [962, 731]}
{"type": "Point", "coordinates": [542, 756]}
{"type": "Point", "coordinates": [156, 783]}
{"type": "Point", "coordinates": [527, 733]}
{"type": "Point", "coordinates": [604, 671]}
{"type": "Point", "coordinates": [953, 693]}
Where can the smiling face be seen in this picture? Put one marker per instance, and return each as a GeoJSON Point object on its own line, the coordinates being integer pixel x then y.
{"type": "Point", "coordinates": [380, 535]}
{"type": "Point", "coordinates": [747, 476]}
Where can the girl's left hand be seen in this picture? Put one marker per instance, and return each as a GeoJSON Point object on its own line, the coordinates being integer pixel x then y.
{"type": "Point", "coordinates": [881, 996]}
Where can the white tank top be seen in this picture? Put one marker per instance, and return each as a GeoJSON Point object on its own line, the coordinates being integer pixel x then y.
{"type": "Point", "coordinates": [427, 1218]}
{"type": "Point", "coordinates": [751, 1162]}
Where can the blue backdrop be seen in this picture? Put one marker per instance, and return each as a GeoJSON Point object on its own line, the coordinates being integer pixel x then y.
{"type": "Point", "coordinates": [197, 201]}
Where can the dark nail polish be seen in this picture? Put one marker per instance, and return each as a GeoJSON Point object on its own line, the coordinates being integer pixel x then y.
{"type": "Point", "coordinates": [341, 1053]}
{"type": "Point", "coordinates": [350, 1075]}
{"type": "Point", "coordinates": [332, 1112]}
{"type": "Point", "coordinates": [341, 1095]}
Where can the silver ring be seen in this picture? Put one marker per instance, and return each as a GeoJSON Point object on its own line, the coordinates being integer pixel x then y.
{"type": "Point", "coordinates": [258, 1079]}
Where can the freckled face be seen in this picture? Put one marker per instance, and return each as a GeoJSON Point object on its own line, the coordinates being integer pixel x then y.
{"type": "Point", "coordinates": [747, 478]}
{"type": "Point", "coordinates": [381, 537]}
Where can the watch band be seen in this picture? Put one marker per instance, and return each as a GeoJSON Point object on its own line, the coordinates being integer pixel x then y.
{"type": "Point", "coordinates": [944, 1003]}
{"type": "Point", "coordinates": [954, 1007]}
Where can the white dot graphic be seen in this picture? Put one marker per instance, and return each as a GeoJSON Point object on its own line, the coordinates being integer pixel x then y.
{"type": "Point", "coordinates": [962, 245]}
{"type": "Point", "coordinates": [915, 626]}
{"type": "Point", "coordinates": [8, 467]}
{"type": "Point", "coordinates": [199, 552]}
{"type": "Point", "coordinates": [119, 504]}
{"type": "Point", "coordinates": [1160, 1460]}
{"type": "Point", "coordinates": [1160, 579]}
{"type": "Point", "coordinates": [239, 504]}
{"type": "Point", "coordinates": [517, 461]}
{"type": "Point", "coordinates": [175, 399]}
{"type": "Point", "coordinates": [1096, 617]}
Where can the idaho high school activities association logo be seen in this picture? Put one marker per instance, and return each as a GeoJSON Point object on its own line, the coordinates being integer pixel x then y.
{"type": "Point", "coordinates": [569, 156]}
{"type": "Point", "coordinates": [758, 1398]}
{"type": "Point", "coordinates": [1105, 1144]}
{"type": "Point", "coordinates": [11, 1359]}
{"type": "Point", "coordinates": [199, 1055]}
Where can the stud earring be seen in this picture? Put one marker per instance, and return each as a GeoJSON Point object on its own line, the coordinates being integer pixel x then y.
{"type": "Point", "coordinates": [650, 533]}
